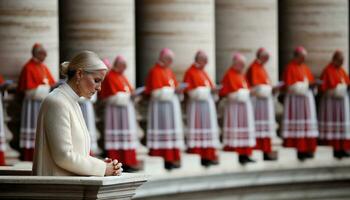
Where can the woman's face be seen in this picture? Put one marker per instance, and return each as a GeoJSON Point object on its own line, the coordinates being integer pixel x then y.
{"type": "Point", "coordinates": [90, 82]}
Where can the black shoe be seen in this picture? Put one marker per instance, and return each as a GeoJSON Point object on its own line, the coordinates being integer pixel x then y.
{"type": "Point", "coordinates": [169, 165]}
{"type": "Point", "coordinates": [205, 162]}
{"type": "Point", "coordinates": [309, 155]}
{"type": "Point", "coordinates": [130, 169]}
{"type": "Point", "coordinates": [338, 154]}
{"type": "Point", "coordinates": [346, 154]}
{"type": "Point", "coordinates": [244, 159]}
{"type": "Point", "coordinates": [302, 156]}
{"type": "Point", "coordinates": [214, 162]}
{"type": "Point", "coordinates": [176, 164]}
{"type": "Point", "coordinates": [270, 156]}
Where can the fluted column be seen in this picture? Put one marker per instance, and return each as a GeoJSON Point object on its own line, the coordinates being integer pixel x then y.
{"type": "Point", "coordinates": [321, 26]}
{"type": "Point", "coordinates": [245, 26]}
{"type": "Point", "coordinates": [23, 23]}
{"type": "Point", "coordinates": [105, 27]}
{"type": "Point", "coordinates": [183, 26]}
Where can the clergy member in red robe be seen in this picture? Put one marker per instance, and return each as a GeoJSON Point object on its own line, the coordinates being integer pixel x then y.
{"type": "Point", "coordinates": [262, 99]}
{"type": "Point", "coordinates": [238, 130]}
{"type": "Point", "coordinates": [120, 133]}
{"type": "Point", "coordinates": [202, 134]}
{"type": "Point", "coordinates": [2, 130]}
{"type": "Point", "coordinates": [164, 124]}
{"type": "Point", "coordinates": [299, 126]}
{"type": "Point", "coordinates": [334, 115]}
{"type": "Point", "coordinates": [34, 83]}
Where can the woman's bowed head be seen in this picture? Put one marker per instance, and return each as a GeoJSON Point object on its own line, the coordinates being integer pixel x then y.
{"type": "Point", "coordinates": [85, 73]}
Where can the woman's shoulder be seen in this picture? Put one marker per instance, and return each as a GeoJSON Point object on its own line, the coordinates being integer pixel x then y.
{"type": "Point", "coordinates": [56, 97]}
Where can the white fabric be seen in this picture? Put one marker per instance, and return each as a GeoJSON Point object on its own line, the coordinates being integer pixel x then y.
{"type": "Point", "coordinates": [164, 124]}
{"type": "Point", "coordinates": [87, 109]}
{"type": "Point", "coordinates": [200, 93]}
{"type": "Point", "coordinates": [264, 117]}
{"type": "Point", "coordinates": [263, 90]}
{"type": "Point", "coordinates": [241, 95]}
{"type": "Point", "coordinates": [29, 115]}
{"type": "Point", "coordinates": [202, 125]}
{"type": "Point", "coordinates": [38, 93]}
{"type": "Point", "coordinates": [299, 117]}
{"type": "Point", "coordinates": [62, 145]}
{"type": "Point", "coordinates": [299, 88]}
{"type": "Point", "coordinates": [119, 99]}
{"type": "Point", "coordinates": [339, 91]}
{"type": "Point", "coordinates": [334, 117]}
{"type": "Point", "coordinates": [120, 127]}
{"type": "Point", "coordinates": [164, 94]}
{"type": "Point", "coordinates": [238, 129]}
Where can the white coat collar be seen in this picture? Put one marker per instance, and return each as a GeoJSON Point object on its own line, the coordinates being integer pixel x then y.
{"type": "Point", "coordinates": [70, 91]}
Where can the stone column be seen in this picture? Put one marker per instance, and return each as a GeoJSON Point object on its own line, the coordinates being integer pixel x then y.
{"type": "Point", "coordinates": [183, 26]}
{"type": "Point", "coordinates": [105, 27]}
{"type": "Point", "coordinates": [23, 23]}
{"type": "Point", "coordinates": [245, 26]}
{"type": "Point", "coordinates": [321, 26]}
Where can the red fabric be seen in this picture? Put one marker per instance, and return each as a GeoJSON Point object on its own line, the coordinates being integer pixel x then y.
{"type": "Point", "coordinates": [158, 77]}
{"type": "Point", "coordinates": [169, 155]}
{"type": "Point", "coordinates": [2, 79]}
{"type": "Point", "coordinates": [2, 158]}
{"type": "Point", "coordinates": [27, 154]}
{"type": "Point", "coordinates": [126, 157]}
{"type": "Point", "coordinates": [332, 76]}
{"type": "Point", "coordinates": [196, 77]}
{"type": "Point", "coordinates": [264, 144]}
{"type": "Point", "coordinates": [257, 75]}
{"type": "Point", "coordinates": [205, 153]}
{"type": "Point", "coordinates": [295, 72]}
{"type": "Point", "coordinates": [232, 81]}
{"type": "Point", "coordinates": [247, 151]}
{"type": "Point", "coordinates": [33, 75]}
{"type": "Point", "coordinates": [303, 145]}
{"type": "Point", "coordinates": [114, 82]}
{"type": "Point", "coordinates": [338, 145]}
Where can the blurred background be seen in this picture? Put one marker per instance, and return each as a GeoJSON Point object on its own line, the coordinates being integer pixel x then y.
{"type": "Point", "coordinates": [139, 29]}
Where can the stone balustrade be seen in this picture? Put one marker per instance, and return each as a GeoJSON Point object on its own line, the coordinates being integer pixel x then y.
{"type": "Point", "coordinates": [77, 187]}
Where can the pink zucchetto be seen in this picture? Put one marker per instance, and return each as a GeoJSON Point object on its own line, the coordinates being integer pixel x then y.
{"type": "Point", "coordinates": [300, 50]}
{"type": "Point", "coordinates": [166, 52]}
{"type": "Point", "coordinates": [238, 57]}
{"type": "Point", "coordinates": [119, 59]}
{"type": "Point", "coordinates": [107, 62]}
{"type": "Point", "coordinates": [262, 51]}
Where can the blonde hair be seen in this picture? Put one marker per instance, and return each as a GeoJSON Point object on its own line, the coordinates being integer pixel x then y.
{"type": "Point", "coordinates": [85, 60]}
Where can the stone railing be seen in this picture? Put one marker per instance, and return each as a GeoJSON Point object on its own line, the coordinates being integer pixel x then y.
{"type": "Point", "coordinates": [77, 187]}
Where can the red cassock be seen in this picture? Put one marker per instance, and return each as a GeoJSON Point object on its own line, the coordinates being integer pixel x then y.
{"type": "Point", "coordinates": [32, 75]}
{"type": "Point", "coordinates": [299, 127]}
{"type": "Point", "coordinates": [2, 130]}
{"type": "Point", "coordinates": [238, 130]}
{"type": "Point", "coordinates": [264, 114]}
{"type": "Point", "coordinates": [164, 127]}
{"type": "Point", "coordinates": [202, 135]}
{"type": "Point", "coordinates": [120, 121]}
{"type": "Point", "coordinates": [333, 115]}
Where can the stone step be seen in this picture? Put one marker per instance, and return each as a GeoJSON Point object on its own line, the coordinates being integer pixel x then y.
{"type": "Point", "coordinates": [190, 165]}
{"type": "Point", "coordinates": [151, 165]}
{"type": "Point", "coordinates": [228, 162]}
{"type": "Point", "coordinates": [324, 153]}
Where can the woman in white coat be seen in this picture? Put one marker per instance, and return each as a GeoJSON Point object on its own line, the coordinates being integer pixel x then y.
{"type": "Point", "coordinates": [62, 146]}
